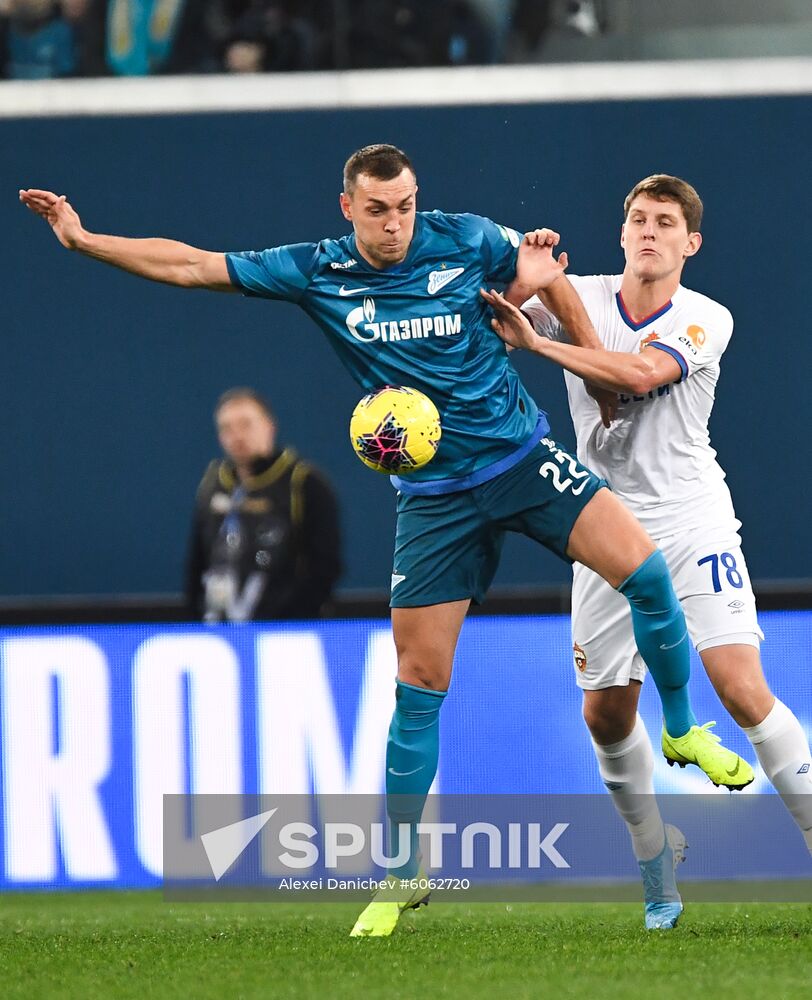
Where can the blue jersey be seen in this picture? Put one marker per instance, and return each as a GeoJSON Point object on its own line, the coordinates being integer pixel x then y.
{"type": "Point", "coordinates": [420, 323]}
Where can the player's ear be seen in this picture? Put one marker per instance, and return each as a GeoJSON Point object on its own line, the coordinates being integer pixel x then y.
{"type": "Point", "coordinates": [623, 235]}
{"type": "Point", "coordinates": [346, 206]}
{"type": "Point", "coordinates": [693, 244]}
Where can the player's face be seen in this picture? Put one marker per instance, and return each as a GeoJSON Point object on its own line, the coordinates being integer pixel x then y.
{"type": "Point", "coordinates": [656, 240]}
{"type": "Point", "coordinates": [382, 215]}
{"type": "Point", "coordinates": [245, 430]}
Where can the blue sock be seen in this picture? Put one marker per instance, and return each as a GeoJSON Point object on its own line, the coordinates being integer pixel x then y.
{"type": "Point", "coordinates": [662, 638]}
{"type": "Point", "coordinates": [412, 751]}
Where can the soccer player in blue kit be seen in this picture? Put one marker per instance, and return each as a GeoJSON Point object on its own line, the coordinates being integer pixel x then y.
{"type": "Point", "coordinates": [399, 300]}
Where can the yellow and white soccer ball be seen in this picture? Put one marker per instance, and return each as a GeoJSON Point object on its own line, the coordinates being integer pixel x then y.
{"type": "Point", "coordinates": [395, 429]}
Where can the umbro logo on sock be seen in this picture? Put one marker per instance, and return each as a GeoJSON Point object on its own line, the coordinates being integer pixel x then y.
{"type": "Point", "coordinates": [803, 769]}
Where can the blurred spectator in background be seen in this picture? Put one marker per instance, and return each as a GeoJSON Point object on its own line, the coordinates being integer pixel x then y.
{"type": "Point", "coordinates": [387, 34]}
{"type": "Point", "coordinates": [157, 36]}
{"type": "Point", "coordinates": [38, 39]}
{"type": "Point", "coordinates": [265, 537]}
{"type": "Point", "coordinates": [58, 38]}
{"type": "Point", "coordinates": [403, 33]}
{"type": "Point", "coordinates": [531, 21]}
{"type": "Point", "coordinates": [534, 20]}
{"type": "Point", "coordinates": [459, 36]}
{"type": "Point", "coordinates": [268, 38]}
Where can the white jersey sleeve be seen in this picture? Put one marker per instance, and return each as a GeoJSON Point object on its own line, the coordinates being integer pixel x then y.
{"type": "Point", "coordinates": [591, 290]}
{"type": "Point", "coordinates": [542, 320]}
{"type": "Point", "coordinates": [698, 341]}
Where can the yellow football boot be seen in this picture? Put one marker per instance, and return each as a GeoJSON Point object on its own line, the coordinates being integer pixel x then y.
{"type": "Point", "coordinates": [701, 747]}
{"type": "Point", "coordinates": [381, 916]}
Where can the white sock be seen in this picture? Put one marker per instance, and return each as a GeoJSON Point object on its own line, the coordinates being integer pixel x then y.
{"type": "Point", "coordinates": [783, 752]}
{"type": "Point", "coordinates": [627, 769]}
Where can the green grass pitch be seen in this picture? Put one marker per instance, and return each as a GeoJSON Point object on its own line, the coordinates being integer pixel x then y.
{"type": "Point", "coordinates": [122, 945]}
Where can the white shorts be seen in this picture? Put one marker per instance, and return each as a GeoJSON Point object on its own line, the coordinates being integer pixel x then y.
{"type": "Point", "coordinates": [712, 585]}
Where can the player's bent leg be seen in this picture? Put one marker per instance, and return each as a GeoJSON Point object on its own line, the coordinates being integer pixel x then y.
{"type": "Point", "coordinates": [609, 540]}
{"type": "Point", "coordinates": [425, 639]}
{"type": "Point", "coordinates": [735, 671]}
{"type": "Point", "coordinates": [777, 736]}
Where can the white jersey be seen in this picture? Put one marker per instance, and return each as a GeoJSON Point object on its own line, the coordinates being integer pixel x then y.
{"type": "Point", "coordinates": [656, 455]}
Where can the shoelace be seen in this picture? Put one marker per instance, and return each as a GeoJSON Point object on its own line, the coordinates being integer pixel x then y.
{"type": "Point", "coordinates": [706, 729]}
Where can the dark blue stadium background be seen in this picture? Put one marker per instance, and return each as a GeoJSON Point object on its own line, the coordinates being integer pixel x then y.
{"type": "Point", "coordinates": [108, 382]}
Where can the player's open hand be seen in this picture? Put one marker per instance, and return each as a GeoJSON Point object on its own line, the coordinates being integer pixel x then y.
{"type": "Point", "coordinates": [536, 267]}
{"type": "Point", "coordinates": [510, 323]}
{"type": "Point", "coordinates": [58, 213]}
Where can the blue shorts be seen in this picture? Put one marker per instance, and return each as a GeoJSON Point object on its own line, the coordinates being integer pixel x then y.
{"type": "Point", "coordinates": [447, 547]}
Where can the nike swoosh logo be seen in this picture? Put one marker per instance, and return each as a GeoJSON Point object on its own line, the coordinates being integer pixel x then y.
{"type": "Point", "coordinates": [673, 644]}
{"type": "Point", "coordinates": [396, 579]}
{"type": "Point", "coordinates": [735, 771]}
{"type": "Point", "coordinates": [403, 774]}
{"type": "Point", "coordinates": [351, 291]}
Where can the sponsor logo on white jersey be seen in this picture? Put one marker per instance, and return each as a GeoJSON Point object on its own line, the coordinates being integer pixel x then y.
{"type": "Point", "coordinates": [362, 325]}
{"type": "Point", "coordinates": [693, 339]}
{"type": "Point", "coordinates": [439, 279]}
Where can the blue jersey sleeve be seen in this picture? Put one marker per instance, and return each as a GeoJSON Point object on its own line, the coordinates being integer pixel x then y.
{"type": "Point", "coordinates": [498, 245]}
{"type": "Point", "coordinates": [502, 244]}
{"type": "Point", "coordinates": [279, 273]}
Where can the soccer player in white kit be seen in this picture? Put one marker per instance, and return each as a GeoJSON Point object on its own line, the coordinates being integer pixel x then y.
{"type": "Point", "coordinates": [658, 347]}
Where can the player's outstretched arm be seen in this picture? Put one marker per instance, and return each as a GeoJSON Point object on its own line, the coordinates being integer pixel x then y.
{"type": "Point", "coordinates": [615, 370]}
{"type": "Point", "coordinates": [157, 259]}
{"type": "Point", "coordinates": [539, 273]}
{"type": "Point", "coordinates": [565, 304]}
